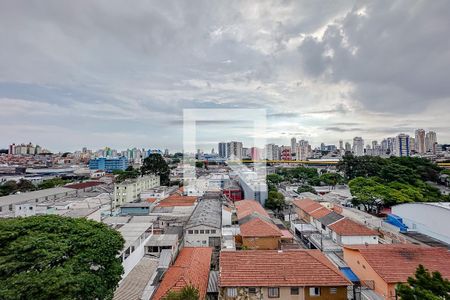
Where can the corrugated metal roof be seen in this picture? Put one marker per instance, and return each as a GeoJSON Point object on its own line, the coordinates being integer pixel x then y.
{"type": "Point", "coordinates": [208, 213]}
{"type": "Point", "coordinates": [213, 282]}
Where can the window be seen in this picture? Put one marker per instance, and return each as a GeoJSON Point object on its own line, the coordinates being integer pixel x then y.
{"type": "Point", "coordinates": [213, 231]}
{"type": "Point", "coordinates": [202, 232]}
{"type": "Point", "coordinates": [274, 292]}
{"type": "Point", "coordinates": [295, 291]}
{"type": "Point", "coordinates": [196, 231]}
{"type": "Point", "coordinates": [190, 231]}
{"type": "Point", "coordinates": [232, 292]}
{"type": "Point", "coordinates": [314, 291]}
{"type": "Point", "coordinates": [333, 290]}
{"type": "Point", "coordinates": [252, 290]}
{"type": "Point", "coordinates": [207, 231]}
{"type": "Point", "coordinates": [204, 242]}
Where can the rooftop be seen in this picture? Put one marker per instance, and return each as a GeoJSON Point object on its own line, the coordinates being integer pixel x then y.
{"type": "Point", "coordinates": [307, 205]}
{"type": "Point", "coordinates": [278, 268]}
{"type": "Point", "coordinates": [132, 231]}
{"type": "Point", "coordinates": [83, 185]}
{"type": "Point", "coordinates": [28, 196]}
{"type": "Point", "coordinates": [330, 218]}
{"type": "Point", "coordinates": [396, 262]}
{"type": "Point", "coordinates": [162, 240]}
{"type": "Point", "coordinates": [319, 213]}
{"type": "Point", "coordinates": [257, 227]}
{"type": "Point", "coordinates": [247, 207]}
{"type": "Point", "coordinates": [208, 212]}
{"type": "Point", "coordinates": [191, 267]}
{"type": "Point", "coordinates": [347, 227]}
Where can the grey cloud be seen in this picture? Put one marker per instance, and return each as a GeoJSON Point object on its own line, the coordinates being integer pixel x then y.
{"type": "Point", "coordinates": [396, 54]}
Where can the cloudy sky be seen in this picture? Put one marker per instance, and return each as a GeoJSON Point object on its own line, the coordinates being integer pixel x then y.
{"type": "Point", "coordinates": [119, 73]}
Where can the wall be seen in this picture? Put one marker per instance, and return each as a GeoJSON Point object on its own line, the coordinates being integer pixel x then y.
{"type": "Point", "coordinates": [285, 294]}
{"type": "Point", "coordinates": [364, 272]}
{"type": "Point", "coordinates": [261, 243]}
{"type": "Point", "coordinates": [199, 240]}
{"type": "Point", "coordinates": [359, 240]}
{"type": "Point", "coordinates": [325, 293]}
{"type": "Point", "coordinates": [427, 219]}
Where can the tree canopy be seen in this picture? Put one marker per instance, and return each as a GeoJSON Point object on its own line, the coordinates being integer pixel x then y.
{"type": "Point", "coordinates": [155, 164]}
{"type": "Point", "coordinates": [54, 257]}
{"type": "Point", "coordinates": [424, 285]}
{"type": "Point", "coordinates": [392, 181]}
{"type": "Point", "coordinates": [275, 200]}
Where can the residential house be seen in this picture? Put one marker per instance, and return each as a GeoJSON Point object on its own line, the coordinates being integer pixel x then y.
{"type": "Point", "coordinates": [191, 267]}
{"type": "Point", "coordinates": [382, 267]}
{"type": "Point", "coordinates": [159, 242]}
{"type": "Point", "coordinates": [273, 274]}
{"type": "Point", "coordinates": [257, 230]}
{"type": "Point", "coordinates": [348, 232]}
{"type": "Point", "coordinates": [304, 207]}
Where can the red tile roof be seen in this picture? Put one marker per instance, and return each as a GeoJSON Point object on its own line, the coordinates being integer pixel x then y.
{"type": "Point", "coordinates": [319, 213]}
{"type": "Point", "coordinates": [191, 267]}
{"type": "Point", "coordinates": [258, 227]}
{"type": "Point", "coordinates": [396, 262]}
{"type": "Point", "coordinates": [347, 227]}
{"type": "Point", "coordinates": [278, 268]}
{"type": "Point", "coordinates": [177, 200]}
{"type": "Point", "coordinates": [247, 207]}
{"type": "Point", "coordinates": [307, 205]}
{"type": "Point", "coordinates": [83, 185]}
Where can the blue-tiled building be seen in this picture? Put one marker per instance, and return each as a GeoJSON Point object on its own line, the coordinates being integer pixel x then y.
{"type": "Point", "coordinates": [109, 164]}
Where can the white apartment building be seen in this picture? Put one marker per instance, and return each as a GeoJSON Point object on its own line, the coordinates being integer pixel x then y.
{"type": "Point", "coordinates": [130, 190]}
{"type": "Point", "coordinates": [358, 146]}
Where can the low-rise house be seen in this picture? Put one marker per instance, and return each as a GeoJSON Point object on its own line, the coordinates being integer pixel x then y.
{"type": "Point", "coordinates": [257, 230]}
{"type": "Point", "coordinates": [204, 226]}
{"type": "Point", "coordinates": [191, 267]}
{"type": "Point", "coordinates": [259, 233]}
{"type": "Point", "coordinates": [305, 207]}
{"type": "Point", "coordinates": [159, 242]}
{"type": "Point", "coordinates": [135, 236]}
{"type": "Point", "coordinates": [327, 220]}
{"type": "Point", "coordinates": [272, 274]}
{"type": "Point", "coordinates": [382, 267]}
{"type": "Point", "coordinates": [317, 214]}
{"type": "Point", "coordinates": [348, 232]}
{"type": "Point", "coordinates": [135, 209]}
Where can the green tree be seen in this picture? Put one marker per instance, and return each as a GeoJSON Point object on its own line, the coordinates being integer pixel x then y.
{"type": "Point", "coordinates": [189, 292]}
{"type": "Point", "coordinates": [8, 188]}
{"type": "Point", "coordinates": [306, 188]}
{"type": "Point", "coordinates": [54, 257]}
{"type": "Point", "coordinates": [424, 285]}
{"type": "Point", "coordinates": [129, 173]}
{"type": "Point", "coordinates": [51, 183]}
{"type": "Point", "coordinates": [25, 185]}
{"type": "Point", "coordinates": [155, 164]}
{"type": "Point", "coordinates": [275, 200]}
{"type": "Point", "coordinates": [199, 164]}
{"type": "Point", "coordinates": [331, 179]}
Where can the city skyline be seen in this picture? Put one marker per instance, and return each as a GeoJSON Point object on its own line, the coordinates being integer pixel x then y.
{"type": "Point", "coordinates": [104, 73]}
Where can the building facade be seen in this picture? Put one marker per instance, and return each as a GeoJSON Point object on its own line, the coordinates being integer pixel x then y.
{"type": "Point", "coordinates": [130, 190]}
{"type": "Point", "coordinates": [109, 164]}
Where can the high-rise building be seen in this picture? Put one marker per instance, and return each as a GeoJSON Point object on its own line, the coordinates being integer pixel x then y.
{"type": "Point", "coordinates": [358, 146]}
{"type": "Point", "coordinates": [341, 145]}
{"type": "Point", "coordinates": [293, 146]}
{"type": "Point", "coordinates": [430, 142]}
{"type": "Point", "coordinates": [12, 149]}
{"type": "Point", "coordinates": [420, 141]}
{"type": "Point", "coordinates": [348, 147]}
{"type": "Point", "coordinates": [234, 150]}
{"type": "Point", "coordinates": [402, 145]}
{"type": "Point", "coordinates": [222, 149]}
{"type": "Point", "coordinates": [285, 153]}
{"type": "Point", "coordinates": [272, 152]}
{"type": "Point", "coordinates": [302, 150]}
